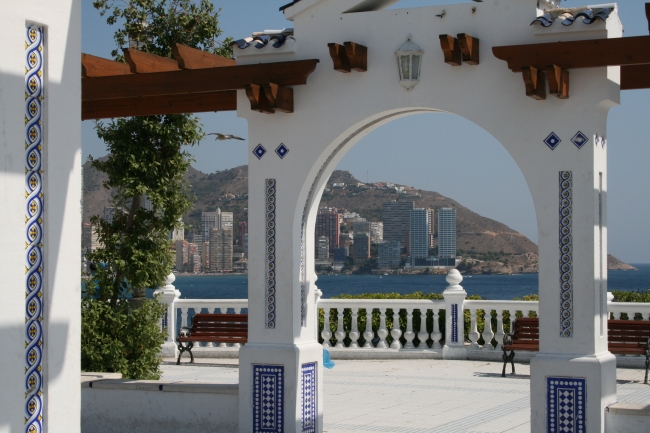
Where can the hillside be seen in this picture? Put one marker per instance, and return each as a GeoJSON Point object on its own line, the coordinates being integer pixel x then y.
{"type": "Point", "coordinates": [228, 189]}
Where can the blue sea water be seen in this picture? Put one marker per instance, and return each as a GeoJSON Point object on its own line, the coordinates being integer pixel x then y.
{"type": "Point", "coordinates": [493, 287]}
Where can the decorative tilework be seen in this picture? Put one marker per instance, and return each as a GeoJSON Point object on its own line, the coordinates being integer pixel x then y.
{"type": "Point", "coordinates": [270, 253]}
{"type": "Point", "coordinates": [34, 229]}
{"type": "Point", "coordinates": [317, 178]}
{"type": "Point", "coordinates": [454, 323]}
{"type": "Point", "coordinates": [282, 151]}
{"type": "Point", "coordinates": [566, 397]}
{"type": "Point", "coordinates": [309, 396]}
{"type": "Point", "coordinates": [259, 151]}
{"type": "Point", "coordinates": [598, 140]}
{"type": "Point", "coordinates": [579, 140]}
{"type": "Point", "coordinates": [552, 140]}
{"type": "Point", "coordinates": [268, 398]}
{"type": "Point", "coordinates": [164, 322]}
{"type": "Point", "coordinates": [566, 254]}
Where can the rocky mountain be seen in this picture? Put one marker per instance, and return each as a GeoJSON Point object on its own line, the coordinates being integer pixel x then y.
{"type": "Point", "coordinates": [228, 190]}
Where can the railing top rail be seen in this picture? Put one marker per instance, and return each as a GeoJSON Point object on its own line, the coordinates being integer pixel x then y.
{"type": "Point", "coordinates": [380, 303]}
{"type": "Point", "coordinates": [243, 303]}
{"type": "Point", "coordinates": [507, 305]}
{"type": "Point", "coordinates": [628, 307]}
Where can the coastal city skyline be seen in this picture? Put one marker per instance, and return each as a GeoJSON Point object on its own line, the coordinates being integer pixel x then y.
{"type": "Point", "coordinates": [440, 152]}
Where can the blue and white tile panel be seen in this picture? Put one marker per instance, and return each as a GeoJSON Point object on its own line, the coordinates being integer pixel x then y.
{"type": "Point", "coordinates": [552, 140]}
{"type": "Point", "coordinates": [282, 150]}
{"type": "Point", "coordinates": [566, 254]}
{"type": "Point", "coordinates": [268, 398]}
{"type": "Point", "coordinates": [565, 404]}
{"type": "Point", "coordinates": [454, 323]}
{"type": "Point", "coordinates": [259, 151]}
{"type": "Point", "coordinates": [600, 141]}
{"type": "Point", "coordinates": [34, 229]}
{"type": "Point", "coordinates": [270, 254]}
{"type": "Point", "coordinates": [309, 394]}
{"type": "Point", "coordinates": [579, 139]}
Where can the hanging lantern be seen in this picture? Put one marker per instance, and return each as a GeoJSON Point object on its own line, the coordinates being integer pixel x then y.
{"type": "Point", "coordinates": [409, 60]}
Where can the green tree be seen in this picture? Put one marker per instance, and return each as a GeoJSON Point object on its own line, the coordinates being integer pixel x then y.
{"type": "Point", "coordinates": [146, 160]}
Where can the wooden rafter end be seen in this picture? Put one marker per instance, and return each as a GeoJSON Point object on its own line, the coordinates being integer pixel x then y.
{"type": "Point", "coordinates": [141, 62]}
{"type": "Point", "coordinates": [191, 58]}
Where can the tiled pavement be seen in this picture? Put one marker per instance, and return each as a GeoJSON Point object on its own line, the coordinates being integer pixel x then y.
{"type": "Point", "coordinates": [418, 396]}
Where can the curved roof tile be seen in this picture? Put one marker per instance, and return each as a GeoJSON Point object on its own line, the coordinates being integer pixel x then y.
{"type": "Point", "coordinates": [568, 16]}
{"type": "Point", "coordinates": [259, 40]}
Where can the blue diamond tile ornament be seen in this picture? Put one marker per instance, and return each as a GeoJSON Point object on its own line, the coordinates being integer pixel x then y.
{"type": "Point", "coordinates": [259, 151]}
{"type": "Point", "coordinates": [282, 150]}
{"type": "Point", "coordinates": [552, 140]}
{"type": "Point", "coordinates": [579, 140]}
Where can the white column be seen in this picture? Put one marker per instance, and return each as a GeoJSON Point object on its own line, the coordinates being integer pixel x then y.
{"type": "Point", "coordinates": [168, 295]}
{"type": "Point", "coordinates": [454, 296]}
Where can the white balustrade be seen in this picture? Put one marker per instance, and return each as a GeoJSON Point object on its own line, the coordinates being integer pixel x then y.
{"type": "Point", "coordinates": [378, 307]}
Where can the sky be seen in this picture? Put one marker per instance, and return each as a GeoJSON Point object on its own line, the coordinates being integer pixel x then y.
{"type": "Point", "coordinates": [470, 167]}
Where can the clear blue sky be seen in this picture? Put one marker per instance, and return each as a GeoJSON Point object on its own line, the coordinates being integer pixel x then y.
{"type": "Point", "coordinates": [472, 167]}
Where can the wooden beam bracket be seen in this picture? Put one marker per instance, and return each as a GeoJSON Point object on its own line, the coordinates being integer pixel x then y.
{"type": "Point", "coordinates": [558, 81]}
{"type": "Point", "coordinates": [268, 97]}
{"type": "Point", "coordinates": [451, 49]}
{"type": "Point", "coordinates": [535, 82]}
{"type": "Point", "coordinates": [469, 47]}
{"type": "Point", "coordinates": [349, 56]}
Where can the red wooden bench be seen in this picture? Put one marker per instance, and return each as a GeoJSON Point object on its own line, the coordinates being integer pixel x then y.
{"type": "Point", "coordinates": [212, 328]}
{"type": "Point", "coordinates": [624, 337]}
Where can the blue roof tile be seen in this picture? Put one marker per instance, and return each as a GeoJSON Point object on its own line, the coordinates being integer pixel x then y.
{"type": "Point", "coordinates": [568, 16]}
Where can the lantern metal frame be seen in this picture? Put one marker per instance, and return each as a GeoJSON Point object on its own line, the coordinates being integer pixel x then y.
{"type": "Point", "coordinates": [409, 73]}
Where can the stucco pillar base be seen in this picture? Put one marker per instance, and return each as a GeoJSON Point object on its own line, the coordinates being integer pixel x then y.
{"type": "Point", "coordinates": [169, 350]}
{"type": "Point", "coordinates": [454, 352]}
{"type": "Point", "coordinates": [292, 357]}
{"type": "Point", "coordinates": [599, 375]}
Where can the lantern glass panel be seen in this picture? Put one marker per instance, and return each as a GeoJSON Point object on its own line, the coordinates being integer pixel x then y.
{"type": "Point", "coordinates": [405, 64]}
{"type": "Point", "coordinates": [415, 72]}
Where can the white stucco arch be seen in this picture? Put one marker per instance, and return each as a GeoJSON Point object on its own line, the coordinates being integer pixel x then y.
{"type": "Point", "coordinates": [334, 110]}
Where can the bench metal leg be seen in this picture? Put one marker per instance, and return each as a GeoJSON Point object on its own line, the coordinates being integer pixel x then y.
{"type": "Point", "coordinates": [647, 366]}
{"type": "Point", "coordinates": [508, 357]}
{"type": "Point", "coordinates": [186, 348]}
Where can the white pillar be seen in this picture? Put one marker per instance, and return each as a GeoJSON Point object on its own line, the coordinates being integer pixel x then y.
{"type": "Point", "coordinates": [454, 296]}
{"type": "Point", "coordinates": [168, 295]}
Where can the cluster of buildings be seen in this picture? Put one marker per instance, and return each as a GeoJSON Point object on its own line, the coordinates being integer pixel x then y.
{"type": "Point", "coordinates": [211, 250]}
{"type": "Point", "coordinates": [404, 232]}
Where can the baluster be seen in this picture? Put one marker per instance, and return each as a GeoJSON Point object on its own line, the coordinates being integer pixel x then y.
{"type": "Point", "coordinates": [436, 335]}
{"type": "Point", "coordinates": [354, 329]}
{"type": "Point", "coordinates": [396, 332]}
{"type": "Point", "coordinates": [221, 311]}
{"type": "Point", "coordinates": [409, 335]}
{"type": "Point", "coordinates": [423, 335]}
{"type": "Point", "coordinates": [500, 332]}
{"type": "Point", "coordinates": [340, 332]}
{"type": "Point", "coordinates": [382, 332]}
{"type": "Point", "coordinates": [368, 335]}
{"type": "Point", "coordinates": [487, 331]}
{"type": "Point", "coordinates": [237, 311]}
{"type": "Point", "coordinates": [326, 333]}
{"type": "Point", "coordinates": [184, 316]}
{"type": "Point", "coordinates": [473, 335]}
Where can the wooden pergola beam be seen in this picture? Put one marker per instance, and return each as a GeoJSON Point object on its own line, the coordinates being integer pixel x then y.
{"type": "Point", "coordinates": [141, 62]}
{"type": "Point", "coordinates": [93, 66]}
{"type": "Point", "coordinates": [291, 73]}
{"type": "Point", "coordinates": [635, 77]}
{"type": "Point", "coordinates": [592, 53]}
{"type": "Point", "coordinates": [154, 105]}
{"type": "Point", "coordinates": [191, 58]}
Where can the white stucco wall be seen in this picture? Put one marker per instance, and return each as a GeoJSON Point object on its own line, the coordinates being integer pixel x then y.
{"type": "Point", "coordinates": [61, 20]}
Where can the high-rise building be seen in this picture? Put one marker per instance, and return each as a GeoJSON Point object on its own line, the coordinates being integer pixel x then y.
{"type": "Point", "coordinates": [109, 212]}
{"type": "Point", "coordinates": [446, 233]}
{"type": "Point", "coordinates": [419, 234]}
{"type": "Point", "coordinates": [246, 244]}
{"type": "Point", "coordinates": [323, 248]}
{"type": "Point", "coordinates": [215, 220]}
{"type": "Point", "coordinates": [396, 216]}
{"type": "Point", "coordinates": [376, 232]}
{"type": "Point", "coordinates": [243, 231]}
{"type": "Point", "coordinates": [196, 238]}
{"type": "Point", "coordinates": [389, 254]}
{"type": "Point", "coordinates": [205, 256]}
{"type": "Point", "coordinates": [221, 250]}
{"type": "Point", "coordinates": [361, 247]}
{"type": "Point", "coordinates": [432, 229]}
{"type": "Point", "coordinates": [182, 251]}
{"type": "Point", "coordinates": [341, 253]}
{"type": "Point", "coordinates": [328, 224]}
{"type": "Point", "coordinates": [178, 234]}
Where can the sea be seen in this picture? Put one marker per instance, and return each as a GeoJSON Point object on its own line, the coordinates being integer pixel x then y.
{"type": "Point", "coordinates": [493, 287]}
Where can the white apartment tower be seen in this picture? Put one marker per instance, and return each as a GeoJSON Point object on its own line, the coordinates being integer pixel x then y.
{"type": "Point", "coordinates": [215, 220]}
{"type": "Point", "coordinates": [446, 233]}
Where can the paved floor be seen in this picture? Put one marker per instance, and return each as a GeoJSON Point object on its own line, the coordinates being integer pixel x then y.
{"type": "Point", "coordinates": [418, 396]}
